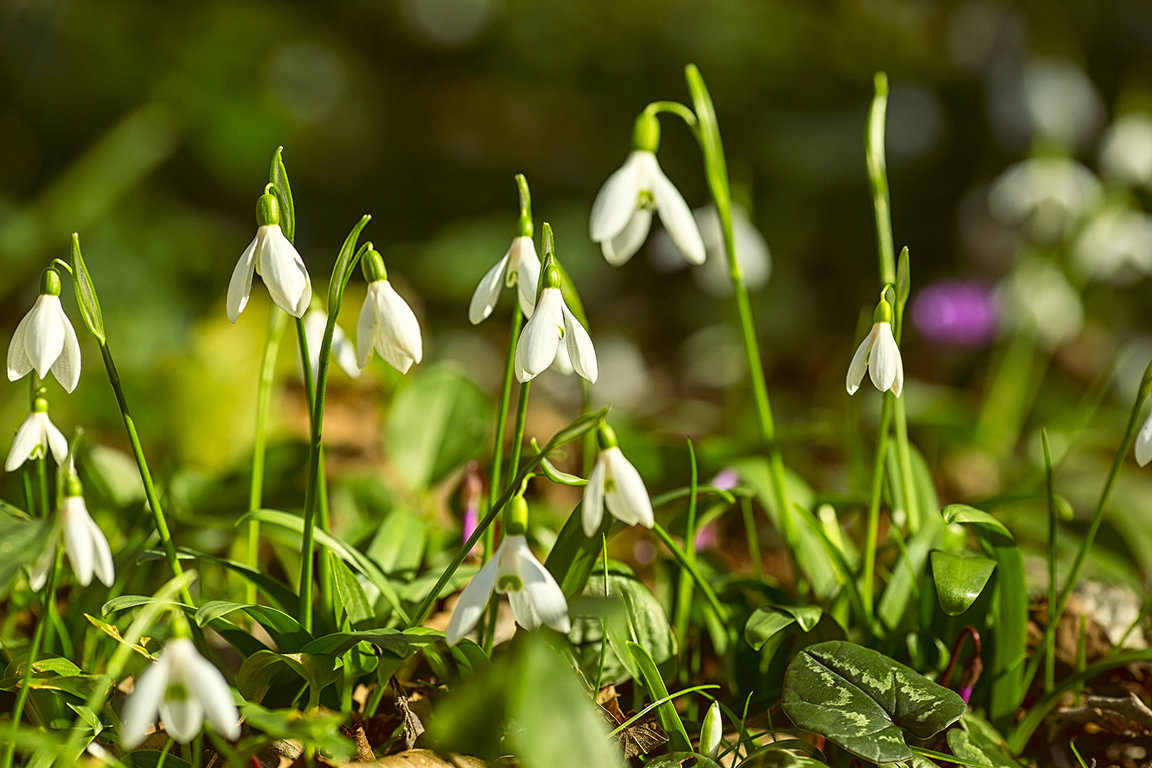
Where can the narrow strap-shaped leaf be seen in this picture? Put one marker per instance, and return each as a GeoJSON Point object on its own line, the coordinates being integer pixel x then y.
{"type": "Point", "coordinates": [666, 713]}
{"type": "Point", "coordinates": [278, 176]}
{"type": "Point", "coordinates": [86, 293]}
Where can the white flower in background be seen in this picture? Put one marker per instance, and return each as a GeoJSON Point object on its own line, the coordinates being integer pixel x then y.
{"type": "Point", "coordinates": [45, 340]}
{"type": "Point", "coordinates": [1037, 295]}
{"type": "Point", "coordinates": [343, 353]}
{"type": "Point", "coordinates": [622, 211]}
{"type": "Point", "coordinates": [35, 438]}
{"type": "Point", "coordinates": [615, 484]}
{"type": "Point", "coordinates": [276, 260]}
{"type": "Point", "coordinates": [520, 267]}
{"type": "Point", "coordinates": [533, 593]}
{"type": "Point", "coordinates": [1126, 150]}
{"type": "Point", "coordinates": [1115, 245]}
{"type": "Point", "coordinates": [185, 689]}
{"type": "Point", "coordinates": [84, 543]}
{"type": "Point", "coordinates": [387, 324]}
{"type": "Point", "coordinates": [713, 276]}
{"type": "Point", "coordinates": [1061, 102]}
{"type": "Point", "coordinates": [879, 356]}
{"type": "Point", "coordinates": [711, 731]}
{"type": "Point", "coordinates": [1049, 194]}
{"type": "Point", "coordinates": [551, 327]}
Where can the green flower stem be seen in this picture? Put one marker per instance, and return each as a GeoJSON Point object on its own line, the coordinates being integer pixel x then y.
{"type": "Point", "coordinates": [1094, 526]}
{"type": "Point", "coordinates": [886, 254]}
{"type": "Point", "coordinates": [690, 566]}
{"type": "Point", "coordinates": [873, 530]}
{"type": "Point", "coordinates": [276, 322]}
{"type": "Point", "coordinates": [47, 598]}
{"type": "Point", "coordinates": [150, 494]}
{"type": "Point", "coordinates": [707, 132]}
{"type": "Point", "coordinates": [573, 431]}
{"type": "Point", "coordinates": [1050, 648]}
{"type": "Point", "coordinates": [494, 477]}
{"type": "Point", "coordinates": [514, 462]}
{"type": "Point", "coordinates": [684, 588]}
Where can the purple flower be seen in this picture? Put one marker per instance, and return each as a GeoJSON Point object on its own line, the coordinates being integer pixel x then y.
{"type": "Point", "coordinates": [955, 313]}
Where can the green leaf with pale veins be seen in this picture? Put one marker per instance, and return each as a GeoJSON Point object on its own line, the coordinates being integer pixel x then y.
{"type": "Point", "coordinates": [864, 701]}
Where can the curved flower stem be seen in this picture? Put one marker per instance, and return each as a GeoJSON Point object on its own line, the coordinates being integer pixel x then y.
{"type": "Point", "coordinates": [47, 598]}
{"type": "Point", "coordinates": [886, 254]}
{"type": "Point", "coordinates": [1093, 527]}
{"type": "Point", "coordinates": [150, 494]}
{"type": "Point", "coordinates": [513, 463]}
{"type": "Point", "coordinates": [873, 530]}
{"type": "Point", "coordinates": [684, 588]}
{"type": "Point", "coordinates": [715, 167]}
{"type": "Point", "coordinates": [276, 323]}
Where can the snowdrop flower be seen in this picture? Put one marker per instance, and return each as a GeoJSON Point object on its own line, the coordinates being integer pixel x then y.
{"type": "Point", "coordinates": [84, 543]}
{"type": "Point", "coordinates": [520, 267]}
{"type": "Point", "coordinates": [45, 340]}
{"type": "Point", "coordinates": [1126, 151]}
{"type": "Point", "coordinates": [36, 437]}
{"type": "Point", "coordinates": [1047, 193]}
{"type": "Point", "coordinates": [184, 688]}
{"type": "Point", "coordinates": [551, 327]}
{"type": "Point", "coordinates": [315, 321]}
{"type": "Point", "coordinates": [276, 260]}
{"type": "Point", "coordinates": [622, 211]}
{"type": "Point", "coordinates": [1036, 295]}
{"type": "Point", "coordinates": [387, 324]}
{"type": "Point", "coordinates": [533, 593]}
{"type": "Point", "coordinates": [1115, 245]}
{"type": "Point", "coordinates": [713, 275]}
{"type": "Point", "coordinates": [879, 355]}
{"type": "Point", "coordinates": [614, 483]}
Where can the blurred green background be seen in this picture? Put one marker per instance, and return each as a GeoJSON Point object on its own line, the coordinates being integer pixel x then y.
{"type": "Point", "coordinates": [148, 127]}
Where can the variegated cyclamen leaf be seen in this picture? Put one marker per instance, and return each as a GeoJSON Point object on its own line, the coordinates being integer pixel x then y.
{"type": "Point", "coordinates": [864, 701]}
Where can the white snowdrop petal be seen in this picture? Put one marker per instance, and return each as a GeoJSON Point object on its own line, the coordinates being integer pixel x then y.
{"type": "Point", "coordinates": [103, 566]}
{"type": "Point", "coordinates": [859, 364]}
{"type": "Point", "coordinates": [28, 436]}
{"type": "Point", "coordinates": [488, 291]}
{"type": "Point", "coordinates": [616, 200]}
{"type": "Point", "coordinates": [528, 277]}
{"type": "Point", "coordinates": [344, 353]}
{"type": "Point", "coordinates": [544, 594]}
{"type": "Point", "coordinates": [592, 509]}
{"type": "Point", "coordinates": [143, 704]}
{"type": "Point", "coordinates": [473, 601]}
{"type": "Point", "coordinates": [57, 443]}
{"type": "Point", "coordinates": [884, 361]}
{"type": "Point", "coordinates": [210, 687]}
{"type": "Point", "coordinates": [628, 499]}
{"type": "Point", "coordinates": [523, 611]}
{"type": "Point", "coordinates": [19, 362]}
{"type": "Point", "coordinates": [66, 369]}
{"type": "Point", "coordinates": [182, 717]}
{"type": "Point", "coordinates": [620, 248]}
{"type": "Point", "coordinates": [366, 329]}
{"type": "Point", "coordinates": [1144, 443]}
{"type": "Point", "coordinates": [677, 218]}
{"type": "Point", "coordinates": [240, 286]}
{"type": "Point", "coordinates": [78, 539]}
{"type": "Point", "coordinates": [283, 272]}
{"type": "Point", "coordinates": [45, 333]}
{"type": "Point", "coordinates": [398, 325]}
{"type": "Point", "coordinates": [579, 345]}
{"type": "Point", "coordinates": [541, 335]}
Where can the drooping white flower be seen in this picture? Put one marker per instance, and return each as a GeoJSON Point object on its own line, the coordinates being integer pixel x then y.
{"type": "Point", "coordinates": [879, 356]}
{"type": "Point", "coordinates": [276, 260]}
{"type": "Point", "coordinates": [1115, 245]}
{"type": "Point", "coordinates": [45, 340]}
{"type": "Point", "coordinates": [84, 543]}
{"type": "Point", "coordinates": [343, 353]}
{"type": "Point", "coordinates": [1036, 295]}
{"type": "Point", "coordinates": [533, 593]}
{"type": "Point", "coordinates": [622, 211]}
{"type": "Point", "coordinates": [1049, 194]}
{"type": "Point", "coordinates": [184, 689]}
{"type": "Point", "coordinates": [35, 438]}
{"type": "Point", "coordinates": [520, 267]}
{"type": "Point", "coordinates": [614, 483]}
{"type": "Point", "coordinates": [1144, 443]}
{"type": "Point", "coordinates": [387, 324]}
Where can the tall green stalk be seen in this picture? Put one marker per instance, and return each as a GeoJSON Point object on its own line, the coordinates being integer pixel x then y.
{"type": "Point", "coordinates": [276, 322]}
{"type": "Point", "coordinates": [684, 588]}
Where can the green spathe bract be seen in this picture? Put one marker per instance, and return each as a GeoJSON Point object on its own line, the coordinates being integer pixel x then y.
{"type": "Point", "coordinates": [864, 701]}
